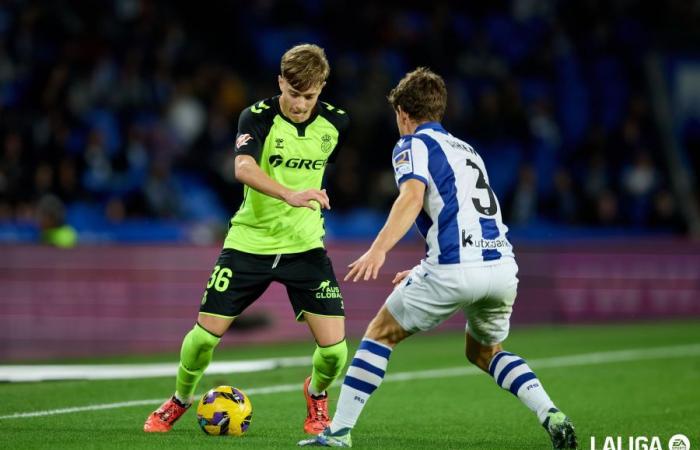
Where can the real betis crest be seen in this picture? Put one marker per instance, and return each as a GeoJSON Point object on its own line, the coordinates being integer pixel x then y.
{"type": "Point", "coordinates": [326, 143]}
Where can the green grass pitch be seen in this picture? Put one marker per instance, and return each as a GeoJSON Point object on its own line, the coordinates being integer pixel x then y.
{"type": "Point", "coordinates": [654, 394]}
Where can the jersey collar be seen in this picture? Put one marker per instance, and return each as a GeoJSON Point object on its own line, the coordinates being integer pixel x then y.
{"type": "Point", "coordinates": [301, 127]}
{"type": "Point", "coordinates": [435, 126]}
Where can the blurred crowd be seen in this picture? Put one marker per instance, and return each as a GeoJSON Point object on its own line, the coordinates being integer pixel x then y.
{"type": "Point", "coordinates": [127, 109]}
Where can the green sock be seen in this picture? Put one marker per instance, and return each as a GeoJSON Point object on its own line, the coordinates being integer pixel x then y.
{"type": "Point", "coordinates": [195, 355]}
{"type": "Point", "coordinates": [328, 362]}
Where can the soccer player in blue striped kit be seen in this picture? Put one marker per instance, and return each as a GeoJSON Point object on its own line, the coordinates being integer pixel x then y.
{"type": "Point", "coordinates": [469, 266]}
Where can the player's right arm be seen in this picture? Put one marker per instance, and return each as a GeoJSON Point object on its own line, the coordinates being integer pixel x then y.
{"type": "Point", "coordinates": [403, 213]}
{"type": "Point", "coordinates": [249, 173]}
{"type": "Point", "coordinates": [410, 161]}
{"type": "Point", "coordinates": [253, 127]}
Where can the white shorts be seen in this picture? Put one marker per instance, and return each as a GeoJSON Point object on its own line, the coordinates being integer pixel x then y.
{"type": "Point", "coordinates": [431, 294]}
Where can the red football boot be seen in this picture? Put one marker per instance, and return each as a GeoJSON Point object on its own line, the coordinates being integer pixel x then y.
{"type": "Point", "coordinates": [162, 419]}
{"type": "Point", "coordinates": [316, 411]}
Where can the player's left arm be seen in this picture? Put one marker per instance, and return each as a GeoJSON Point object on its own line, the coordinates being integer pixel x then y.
{"type": "Point", "coordinates": [249, 173]}
{"type": "Point", "coordinates": [403, 213]}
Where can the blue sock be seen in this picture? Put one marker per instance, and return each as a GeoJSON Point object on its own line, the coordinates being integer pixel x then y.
{"type": "Point", "coordinates": [513, 374]}
{"type": "Point", "coordinates": [364, 375]}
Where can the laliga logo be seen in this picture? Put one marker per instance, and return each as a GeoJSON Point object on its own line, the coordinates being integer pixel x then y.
{"type": "Point", "coordinates": [677, 442]}
{"type": "Point", "coordinates": [243, 140]}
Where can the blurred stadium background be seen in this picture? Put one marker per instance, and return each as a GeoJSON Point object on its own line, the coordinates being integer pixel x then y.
{"type": "Point", "coordinates": [116, 172]}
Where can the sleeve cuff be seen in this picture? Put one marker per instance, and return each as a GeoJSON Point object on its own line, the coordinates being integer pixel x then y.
{"type": "Point", "coordinates": [413, 176]}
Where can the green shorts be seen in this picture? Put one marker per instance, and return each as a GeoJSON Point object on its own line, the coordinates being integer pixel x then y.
{"type": "Point", "coordinates": [240, 278]}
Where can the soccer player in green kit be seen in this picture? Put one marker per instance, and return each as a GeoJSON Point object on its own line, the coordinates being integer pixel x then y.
{"type": "Point", "coordinates": [282, 148]}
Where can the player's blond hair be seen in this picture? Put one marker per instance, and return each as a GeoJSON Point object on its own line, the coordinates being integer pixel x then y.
{"type": "Point", "coordinates": [305, 66]}
{"type": "Point", "coordinates": [422, 94]}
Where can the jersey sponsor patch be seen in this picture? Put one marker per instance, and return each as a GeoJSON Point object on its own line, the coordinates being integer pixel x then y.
{"type": "Point", "coordinates": [242, 140]}
{"type": "Point", "coordinates": [403, 163]}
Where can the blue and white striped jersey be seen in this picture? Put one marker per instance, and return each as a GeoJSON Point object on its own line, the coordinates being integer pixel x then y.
{"type": "Point", "coordinates": [461, 217]}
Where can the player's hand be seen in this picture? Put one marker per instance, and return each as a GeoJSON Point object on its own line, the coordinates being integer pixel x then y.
{"type": "Point", "coordinates": [309, 199]}
{"type": "Point", "coordinates": [366, 266]}
{"type": "Point", "coordinates": [400, 277]}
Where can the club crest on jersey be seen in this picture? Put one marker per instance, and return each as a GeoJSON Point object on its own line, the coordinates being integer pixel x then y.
{"type": "Point", "coordinates": [403, 163]}
{"type": "Point", "coordinates": [326, 143]}
{"type": "Point", "coordinates": [243, 140]}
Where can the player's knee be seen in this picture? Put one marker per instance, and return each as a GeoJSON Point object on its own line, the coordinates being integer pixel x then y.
{"type": "Point", "coordinates": [197, 350]}
{"type": "Point", "coordinates": [333, 356]}
{"type": "Point", "coordinates": [385, 329]}
{"type": "Point", "coordinates": [471, 357]}
{"type": "Point", "coordinates": [203, 339]}
{"type": "Point", "coordinates": [382, 334]}
{"type": "Point", "coordinates": [481, 355]}
{"type": "Point", "coordinates": [476, 358]}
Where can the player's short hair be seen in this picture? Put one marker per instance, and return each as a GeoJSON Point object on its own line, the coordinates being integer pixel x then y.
{"type": "Point", "coordinates": [421, 94]}
{"type": "Point", "coordinates": [305, 66]}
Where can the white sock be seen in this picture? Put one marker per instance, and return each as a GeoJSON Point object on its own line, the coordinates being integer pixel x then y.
{"type": "Point", "coordinates": [314, 392]}
{"type": "Point", "coordinates": [364, 375]}
{"type": "Point", "coordinates": [513, 374]}
{"type": "Point", "coordinates": [183, 400]}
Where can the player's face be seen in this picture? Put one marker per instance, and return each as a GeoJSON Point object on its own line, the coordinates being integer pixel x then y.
{"type": "Point", "coordinates": [298, 105]}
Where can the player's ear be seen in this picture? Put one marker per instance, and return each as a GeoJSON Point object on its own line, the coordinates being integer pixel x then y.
{"type": "Point", "coordinates": [280, 81]}
{"type": "Point", "coordinates": [401, 114]}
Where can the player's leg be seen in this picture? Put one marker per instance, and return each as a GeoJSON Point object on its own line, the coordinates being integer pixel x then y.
{"type": "Point", "coordinates": [489, 321]}
{"type": "Point", "coordinates": [331, 351]}
{"type": "Point", "coordinates": [316, 298]}
{"type": "Point", "coordinates": [328, 361]}
{"type": "Point", "coordinates": [225, 298]}
{"type": "Point", "coordinates": [196, 353]}
{"type": "Point", "coordinates": [363, 377]}
{"type": "Point", "coordinates": [512, 373]}
{"type": "Point", "coordinates": [367, 368]}
{"type": "Point", "coordinates": [416, 304]}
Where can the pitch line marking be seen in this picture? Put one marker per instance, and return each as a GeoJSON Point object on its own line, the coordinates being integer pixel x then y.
{"type": "Point", "coordinates": [553, 362]}
{"type": "Point", "coordinates": [140, 371]}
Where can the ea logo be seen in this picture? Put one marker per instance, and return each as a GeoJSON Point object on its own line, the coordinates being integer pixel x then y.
{"type": "Point", "coordinates": [679, 442]}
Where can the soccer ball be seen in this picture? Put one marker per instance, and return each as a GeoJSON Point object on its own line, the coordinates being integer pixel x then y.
{"type": "Point", "coordinates": [223, 411]}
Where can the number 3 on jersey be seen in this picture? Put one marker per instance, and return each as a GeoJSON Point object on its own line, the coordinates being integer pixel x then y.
{"type": "Point", "coordinates": [481, 183]}
{"type": "Point", "coordinates": [220, 278]}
